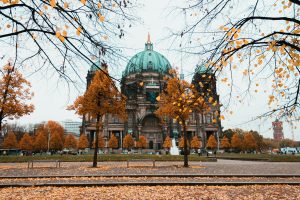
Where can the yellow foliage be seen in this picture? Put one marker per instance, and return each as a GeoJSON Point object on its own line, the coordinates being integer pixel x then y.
{"type": "Point", "coordinates": [101, 18]}
{"type": "Point", "coordinates": [225, 143]}
{"type": "Point", "coordinates": [128, 142]}
{"type": "Point", "coordinates": [211, 143]}
{"type": "Point", "coordinates": [15, 94]}
{"type": "Point", "coordinates": [142, 142]}
{"type": "Point", "coordinates": [40, 141]}
{"type": "Point", "coordinates": [249, 142]}
{"type": "Point", "coordinates": [78, 31]}
{"type": "Point", "coordinates": [26, 142]}
{"type": "Point", "coordinates": [236, 141]}
{"type": "Point", "coordinates": [56, 142]}
{"type": "Point", "coordinates": [113, 142]}
{"type": "Point", "coordinates": [66, 5]}
{"type": "Point", "coordinates": [52, 3]}
{"type": "Point", "coordinates": [83, 142]}
{"type": "Point", "coordinates": [59, 36]}
{"type": "Point", "coordinates": [167, 143]}
{"type": "Point", "coordinates": [181, 143]}
{"type": "Point", "coordinates": [10, 141]}
{"type": "Point", "coordinates": [195, 143]}
{"type": "Point", "coordinates": [102, 97]}
{"type": "Point", "coordinates": [70, 142]}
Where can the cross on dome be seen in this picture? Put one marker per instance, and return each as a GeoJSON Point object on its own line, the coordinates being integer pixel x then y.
{"type": "Point", "coordinates": [149, 45]}
{"type": "Point", "coordinates": [148, 41]}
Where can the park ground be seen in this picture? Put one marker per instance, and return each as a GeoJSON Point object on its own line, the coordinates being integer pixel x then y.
{"type": "Point", "coordinates": [166, 158]}
{"type": "Point", "coordinates": [82, 173]}
{"type": "Point", "coordinates": [155, 192]}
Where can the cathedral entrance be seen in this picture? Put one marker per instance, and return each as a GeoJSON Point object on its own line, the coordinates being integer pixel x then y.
{"type": "Point", "coordinates": [152, 130]}
{"type": "Point", "coordinates": [150, 144]}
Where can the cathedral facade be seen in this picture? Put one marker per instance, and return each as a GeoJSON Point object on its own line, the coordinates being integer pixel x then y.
{"type": "Point", "coordinates": [142, 81]}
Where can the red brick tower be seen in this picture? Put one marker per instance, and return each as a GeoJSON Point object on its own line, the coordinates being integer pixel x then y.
{"type": "Point", "coordinates": [277, 128]}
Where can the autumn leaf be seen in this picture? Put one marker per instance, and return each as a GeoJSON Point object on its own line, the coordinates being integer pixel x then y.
{"type": "Point", "coordinates": [52, 3]}
{"type": "Point", "coordinates": [66, 5]}
{"type": "Point", "coordinates": [78, 31]}
{"type": "Point", "coordinates": [101, 18]}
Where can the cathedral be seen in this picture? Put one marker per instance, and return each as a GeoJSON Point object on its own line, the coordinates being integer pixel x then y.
{"type": "Point", "coordinates": [142, 81]}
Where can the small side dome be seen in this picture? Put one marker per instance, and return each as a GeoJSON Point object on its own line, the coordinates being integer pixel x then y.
{"type": "Point", "coordinates": [201, 69]}
{"type": "Point", "coordinates": [97, 65]}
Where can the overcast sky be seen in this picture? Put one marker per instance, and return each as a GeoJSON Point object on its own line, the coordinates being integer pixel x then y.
{"type": "Point", "coordinates": [52, 97]}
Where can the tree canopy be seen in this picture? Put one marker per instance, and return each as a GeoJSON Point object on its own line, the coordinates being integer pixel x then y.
{"type": "Point", "coordinates": [142, 142]}
{"type": "Point", "coordinates": [101, 98]}
{"type": "Point", "coordinates": [167, 143]}
{"type": "Point", "coordinates": [26, 142]}
{"type": "Point", "coordinates": [101, 142]}
{"type": "Point", "coordinates": [40, 142]}
{"type": "Point", "coordinates": [178, 100]}
{"type": "Point", "coordinates": [70, 142]}
{"type": "Point", "coordinates": [236, 141]}
{"type": "Point", "coordinates": [225, 144]}
{"type": "Point", "coordinates": [10, 141]}
{"type": "Point", "coordinates": [195, 143]}
{"type": "Point", "coordinates": [14, 95]}
{"type": "Point", "coordinates": [249, 143]}
{"type": "Point", "coordinates": [61, 35]}
{"type": "Point", "coordinates": [113, 142]}
{"type": "Point", "coordinates": [56, 142]}
{"type": "Point", "coordinates": [83, 142]}
{"type": "Point", "coordinates": [259, 43]}
{"type": "Point", "coordinates": [211, 142]}
{"type": "Point", "coordinates": [128, 142]}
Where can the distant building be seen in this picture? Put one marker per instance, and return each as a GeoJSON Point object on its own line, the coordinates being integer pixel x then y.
{"type": "Point", "coordinates": [277, 130]}
{"type": "Point", "coordinates": [71, 127]}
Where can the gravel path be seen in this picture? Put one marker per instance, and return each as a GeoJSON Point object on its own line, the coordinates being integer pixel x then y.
{"type": "Point", "coordinates": [110, 168]}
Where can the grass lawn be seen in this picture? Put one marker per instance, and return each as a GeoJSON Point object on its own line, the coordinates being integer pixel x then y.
{"type": "Point", "coordinates": [260, 157]}
{"type": "Point", "coordinates": [103, 157]}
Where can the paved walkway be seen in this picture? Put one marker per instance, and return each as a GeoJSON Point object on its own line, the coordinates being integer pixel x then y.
{"type": "Point", "coordinates": [226, 167]}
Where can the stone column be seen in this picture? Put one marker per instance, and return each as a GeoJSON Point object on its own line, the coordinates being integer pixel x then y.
{"type": "Point", "coordinates": [139, 130]}
{"type": "Point", "coordinates": [121, 138]}
{"type": "Point", "coordinates": [165, 130]}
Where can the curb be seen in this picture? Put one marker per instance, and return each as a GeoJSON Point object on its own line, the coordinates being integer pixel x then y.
{"type": "Point", "coordinates": [114, 184]}
{"type": "Point", "coordinates": [161, 175]}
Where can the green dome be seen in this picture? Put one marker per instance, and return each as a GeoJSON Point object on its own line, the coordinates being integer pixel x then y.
{"type": "Point", "coordinates": [147, 60]}
{"type": "Point", "coordinates": [201, 69]}
{"type": "Point", "coordinates": [97, 65]}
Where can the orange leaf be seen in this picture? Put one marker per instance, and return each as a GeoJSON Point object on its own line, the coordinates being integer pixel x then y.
{"type": "Point", "coordinates": [52, 3]}
{"type": "Point", "coordinates": [78, 31]}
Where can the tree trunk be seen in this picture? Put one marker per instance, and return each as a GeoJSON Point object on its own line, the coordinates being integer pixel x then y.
{"type": "Point", "coordinates": [96, 142]}
{"type": "Point", "coordinates": [1, 126]}
{"type": "Point", "coordinates": [185, 147]}
{"type": "Point", "coordinates": [5, 96]}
